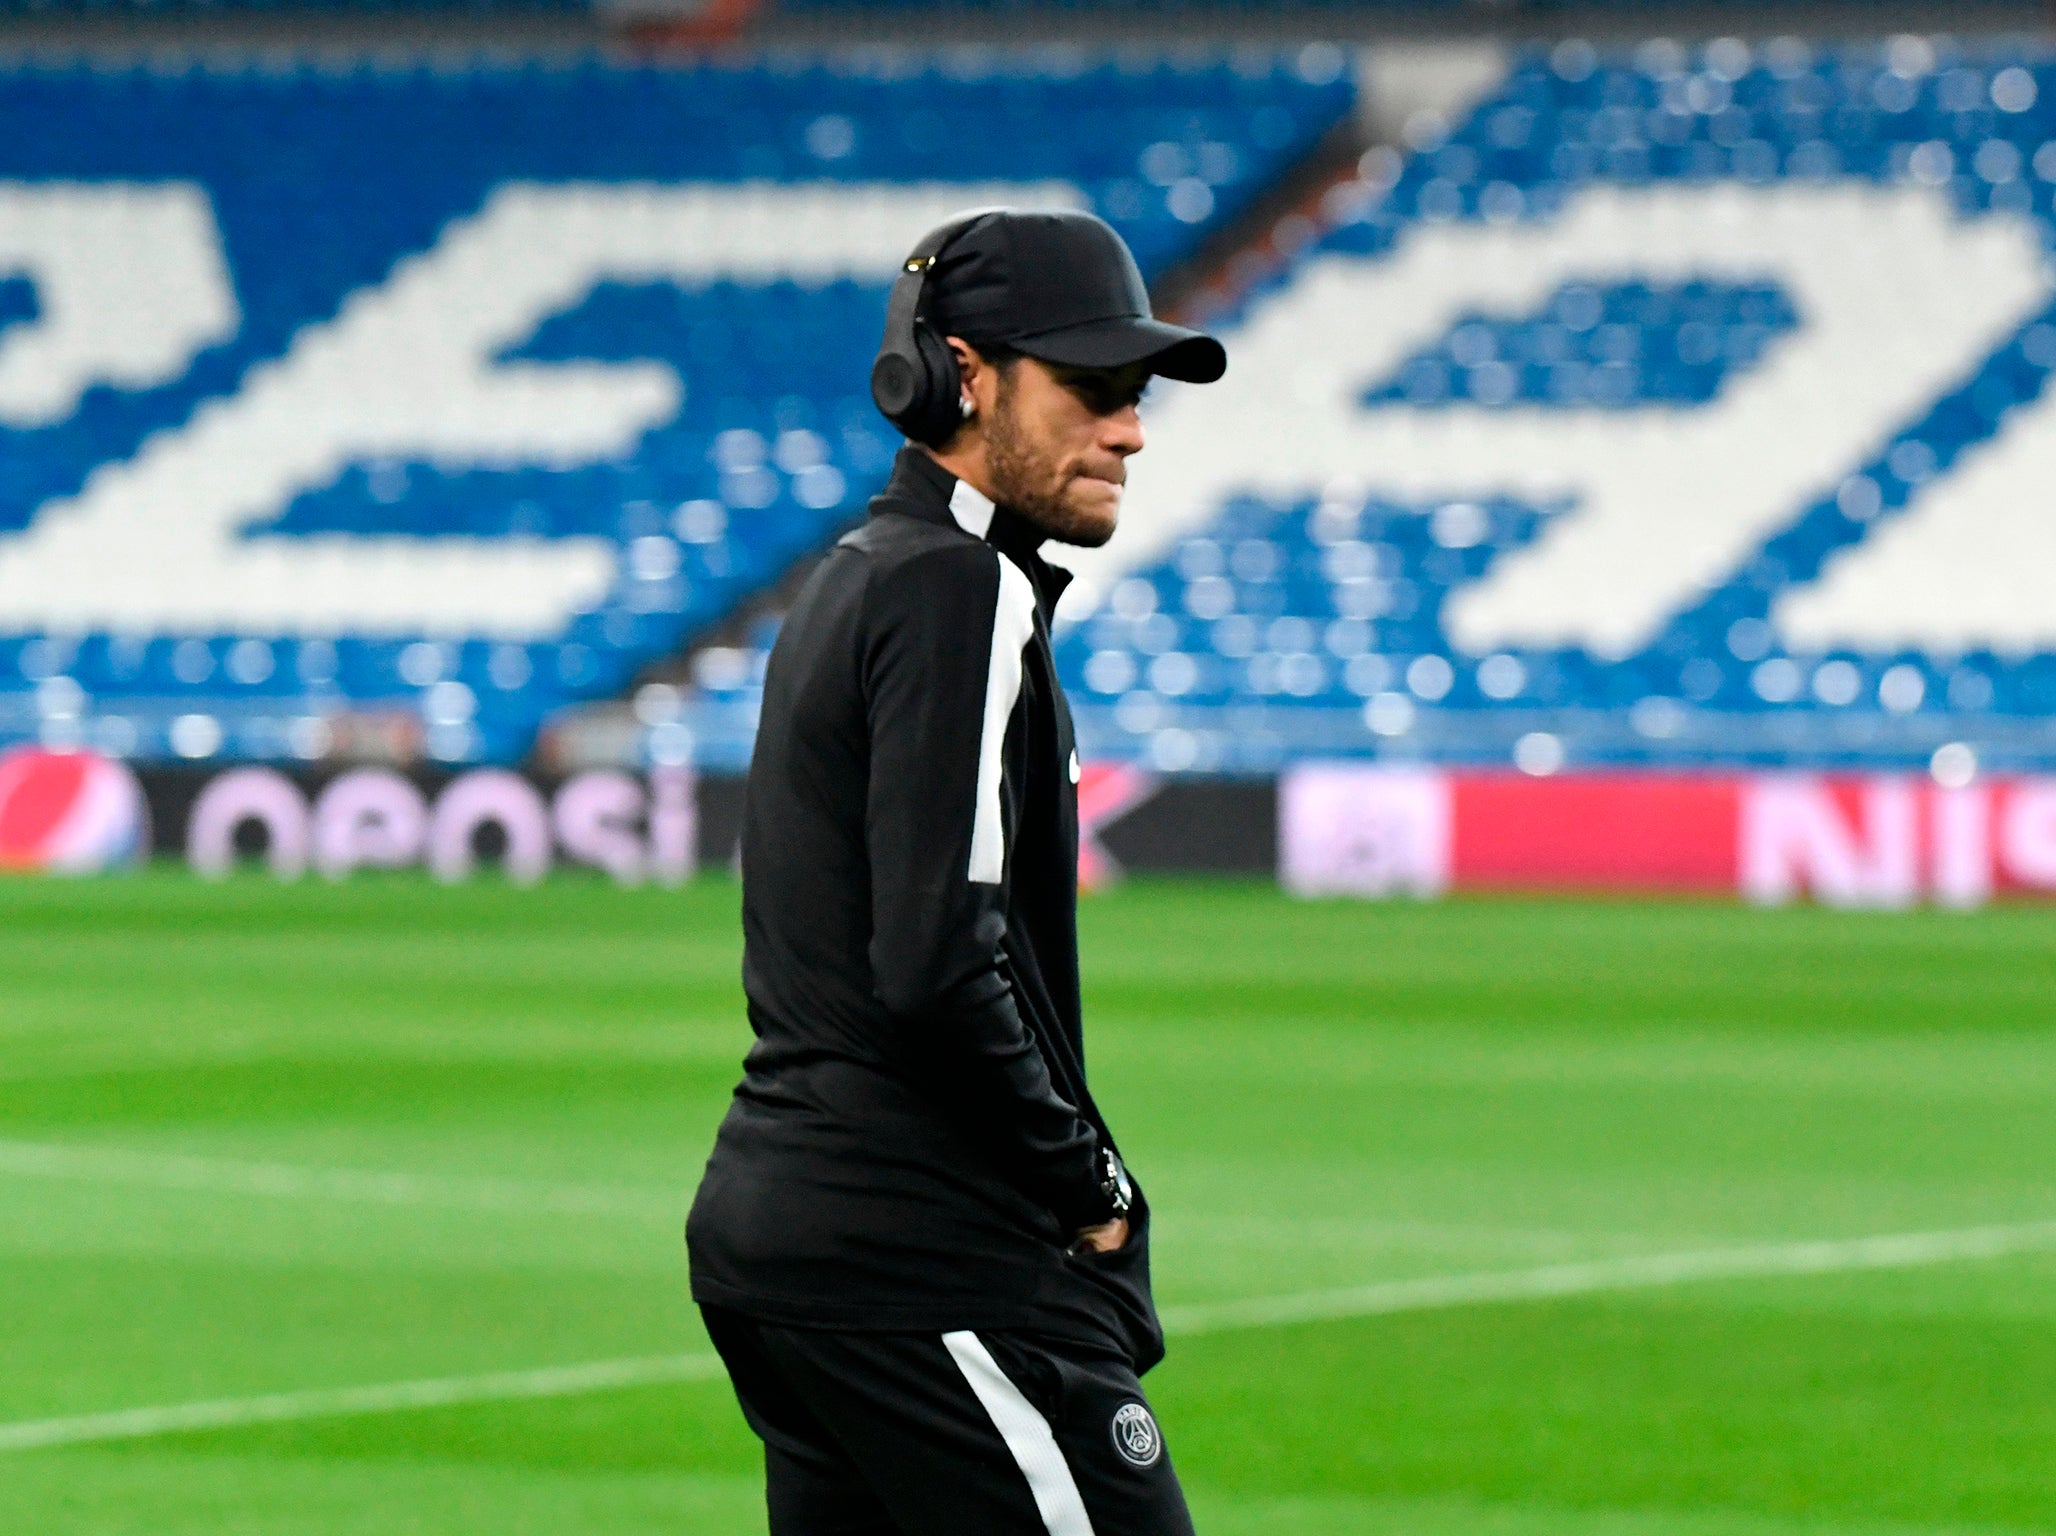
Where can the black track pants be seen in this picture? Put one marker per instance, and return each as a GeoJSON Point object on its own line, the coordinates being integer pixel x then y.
{"type": "Point", "coordinates": [957, 1434]}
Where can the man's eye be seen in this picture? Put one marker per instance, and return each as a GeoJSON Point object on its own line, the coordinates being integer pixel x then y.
{"type": "Point", "coordinates": [1102, 394]}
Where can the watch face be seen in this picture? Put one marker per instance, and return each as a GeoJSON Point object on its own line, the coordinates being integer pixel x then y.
{"type": "Point", "coordinates": [1119, 1189]}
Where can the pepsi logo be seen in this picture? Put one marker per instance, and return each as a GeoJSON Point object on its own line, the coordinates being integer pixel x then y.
{"type": "Point", "coordinates": [68, 812]}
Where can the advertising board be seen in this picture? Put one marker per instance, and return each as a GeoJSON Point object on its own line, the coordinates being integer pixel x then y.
{"type": "Point", "coordinates": [1324, 829]}
{"type": "Point", "coordinates": [80, 813]}
{"type": "Point", "coordinates": [1855, 841]}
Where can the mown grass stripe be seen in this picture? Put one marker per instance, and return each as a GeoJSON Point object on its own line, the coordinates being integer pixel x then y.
{"type": "Point", "coordinates": [214, 1175]}
{"type": "Point", "coordinates": [338, 1402]}
{"type": "Point", "coordinates": [1906, 1250]}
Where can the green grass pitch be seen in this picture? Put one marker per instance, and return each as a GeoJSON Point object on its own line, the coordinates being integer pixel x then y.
{"type": "Point", "coordinates": [259, 1139]}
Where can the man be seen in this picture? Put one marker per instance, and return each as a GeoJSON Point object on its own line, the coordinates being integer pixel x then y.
{"type": "Point", "coordinates": [916, 1246]}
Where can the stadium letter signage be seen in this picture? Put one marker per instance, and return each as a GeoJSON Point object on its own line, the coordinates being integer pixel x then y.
{"type": "Point", "coordinates": [1661, 501]}
{"type": "Point", "coordinates": [411, 370]}
{"type": "Point", "coordinates": [373, 818]}
{"type": "Point", "coordinates": [131, 285]}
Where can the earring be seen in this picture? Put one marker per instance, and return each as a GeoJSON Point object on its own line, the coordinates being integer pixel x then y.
{"type": "Point", "coordinates": [965, 408]}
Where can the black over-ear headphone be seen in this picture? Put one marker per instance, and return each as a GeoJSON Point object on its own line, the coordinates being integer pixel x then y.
{"type": "Point", "coordinates": [915, 380]}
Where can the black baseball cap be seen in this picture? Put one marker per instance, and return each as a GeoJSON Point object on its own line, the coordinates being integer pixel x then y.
{"type": "Point", "coordinates": [1060, 286]}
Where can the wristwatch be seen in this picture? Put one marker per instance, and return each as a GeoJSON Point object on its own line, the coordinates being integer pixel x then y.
{"type": "Point", "coordinates": [1113, 1182]}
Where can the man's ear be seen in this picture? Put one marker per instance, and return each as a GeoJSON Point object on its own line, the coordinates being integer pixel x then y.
{"type": "Point", "coordinates": [973, 370]}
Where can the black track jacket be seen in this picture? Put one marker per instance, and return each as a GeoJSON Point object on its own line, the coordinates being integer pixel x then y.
{"type": "Point", "coordinates": [913, 1142]}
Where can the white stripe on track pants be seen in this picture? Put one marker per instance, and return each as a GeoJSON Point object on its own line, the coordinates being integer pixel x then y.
{"type": "Point", "coordinates": [959, 1434]}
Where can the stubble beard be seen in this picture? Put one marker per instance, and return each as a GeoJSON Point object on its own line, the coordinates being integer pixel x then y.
{"type": "Point", "coordinates": [1022, 476]}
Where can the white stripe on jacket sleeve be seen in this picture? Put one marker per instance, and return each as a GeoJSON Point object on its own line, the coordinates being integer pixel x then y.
{"type": "Point", "coordinates": [1013, 625]}
{"type": "Point", "coordinates": [1028, 1437]}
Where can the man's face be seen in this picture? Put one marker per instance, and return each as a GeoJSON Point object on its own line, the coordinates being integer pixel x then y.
{"type": "Point", "coordinates": [1057, 445]}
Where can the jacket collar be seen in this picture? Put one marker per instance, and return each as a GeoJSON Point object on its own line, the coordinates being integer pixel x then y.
{"type": "Point", "coordinates": [922, 488]}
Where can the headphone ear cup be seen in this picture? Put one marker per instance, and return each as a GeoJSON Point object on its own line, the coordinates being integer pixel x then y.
{"type": "Point", "coordinates": [895, 382]}
{"type": "Point", "coordinates": [933, 416]}
{"type": "Point", "coordinates": [914, 380]}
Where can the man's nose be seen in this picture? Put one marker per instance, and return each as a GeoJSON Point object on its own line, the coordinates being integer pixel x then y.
{"type": "Point", "coordinates": [1123, 433]}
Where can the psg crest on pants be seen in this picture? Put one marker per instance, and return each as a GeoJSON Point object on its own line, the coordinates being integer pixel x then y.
{"type": "Point", "coordinates": [1135, 1435]}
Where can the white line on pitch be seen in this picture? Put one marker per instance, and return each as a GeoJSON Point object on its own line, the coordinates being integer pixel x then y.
{"type": "Point", "coordinates": [217, 1175]}
{"type": "Point", "coordinates": [1905, 1250]}
{"type": "Point", "coordinates": [389, 1397]}
{"type": "Point", "coordinates": [289, 1181]}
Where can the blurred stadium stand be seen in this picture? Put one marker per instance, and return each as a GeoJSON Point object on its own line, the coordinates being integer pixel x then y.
{"type": "Point", "coordinates": [1752, 445]}
{"type": "Point", "coordinates": [1672, 405]}
{"type": "Point", "coordinates": [447, 397]}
